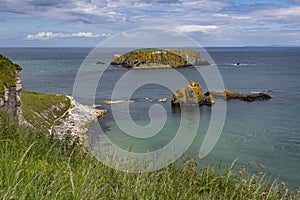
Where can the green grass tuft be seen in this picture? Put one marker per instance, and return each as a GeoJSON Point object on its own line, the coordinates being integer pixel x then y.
{"type": "Point", "coordinates": [149, 50]}
{"type": "Point", "coordinates": [35, 166]}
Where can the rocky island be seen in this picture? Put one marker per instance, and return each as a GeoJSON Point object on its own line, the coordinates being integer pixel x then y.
{"type": "Point", "coordinates": [193, 95]}
{"type": "Point", "coordinates": [159, 58]}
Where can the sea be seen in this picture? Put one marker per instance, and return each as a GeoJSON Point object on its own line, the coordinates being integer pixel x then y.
{"type": "Point", "coordinates": [255, 133]}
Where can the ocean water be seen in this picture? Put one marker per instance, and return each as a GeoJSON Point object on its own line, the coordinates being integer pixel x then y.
{"type": "Point", "coordinates": [266, 132]}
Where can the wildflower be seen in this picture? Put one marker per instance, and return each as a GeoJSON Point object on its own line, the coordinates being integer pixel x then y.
{"type": "Point", "coordinates": [243, 169]}
{"type": "Point", "coordinates": [260, 166]}
{"type": "Point", "coordinates": [283, 186]}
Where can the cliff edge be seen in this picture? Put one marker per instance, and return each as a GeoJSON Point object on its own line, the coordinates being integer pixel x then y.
{"type": "Point", "coordinates": [10, 88]}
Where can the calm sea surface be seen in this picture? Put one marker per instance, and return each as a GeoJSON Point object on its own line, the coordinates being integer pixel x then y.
{"type": "Point", "coordinates": [266, 133]}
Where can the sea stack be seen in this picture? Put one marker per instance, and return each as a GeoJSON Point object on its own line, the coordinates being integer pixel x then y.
{"type": "Point", "coordinates": [191, 95]}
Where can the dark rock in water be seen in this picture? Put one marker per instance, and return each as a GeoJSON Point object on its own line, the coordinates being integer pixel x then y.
{"type": "Point", "coordinates": [191, 95]}
{"type": "Point", "coordinates": [227, 94]}
{"type": "Point", "coordinates": [148, 100]}
{"type": "Point", "coordinates": [100, 63]}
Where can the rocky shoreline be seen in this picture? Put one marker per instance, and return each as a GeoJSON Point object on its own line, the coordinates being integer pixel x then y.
{"type": "Point", "coordinates": [73, 124]}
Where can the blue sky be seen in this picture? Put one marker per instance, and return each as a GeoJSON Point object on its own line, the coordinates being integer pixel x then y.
{"type": "Point", "coordinates": [88, 22]}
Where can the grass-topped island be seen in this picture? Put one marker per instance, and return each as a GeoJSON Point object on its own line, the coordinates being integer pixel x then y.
{"type": "Point", "coordinates": [159, 58]}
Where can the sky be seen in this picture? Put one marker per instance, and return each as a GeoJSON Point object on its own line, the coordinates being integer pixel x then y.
{"type": "Point", "coordinates": [85, 23]}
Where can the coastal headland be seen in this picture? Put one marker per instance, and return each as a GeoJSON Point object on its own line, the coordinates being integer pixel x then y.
{"type": "Point", "coordinates": [58, 114]}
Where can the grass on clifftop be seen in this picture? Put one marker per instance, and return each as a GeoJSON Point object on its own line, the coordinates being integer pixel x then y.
{"type": "Point", "coordinates": [7, 73]}
{"type": "Point", "coordinates": [41, 110]}
{"type": "Point", "coordinates": [34, 166]}
{"type": "Point", "coordinates": [149, 50]}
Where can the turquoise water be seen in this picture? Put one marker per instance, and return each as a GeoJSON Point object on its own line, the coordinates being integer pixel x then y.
{"type": "Point", "coordinates": [258, 132]}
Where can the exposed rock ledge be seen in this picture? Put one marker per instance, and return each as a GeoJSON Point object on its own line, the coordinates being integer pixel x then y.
{"type": "Point", "coordinates": [193, 95]}
{"type": "Point", "coordinates": [227, 94]}
{"type": "Point", "coordinates": [73, 124]}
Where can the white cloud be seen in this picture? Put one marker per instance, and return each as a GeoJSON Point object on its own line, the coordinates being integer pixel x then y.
{"type": "Point", "coordinates": [51, 35]}
{"type": "Point", "coordinates": [290, 13]}
{"type": "Point", "coordinates": [196, 28]}
{"type": "Point", "coordinates": [214, 18]}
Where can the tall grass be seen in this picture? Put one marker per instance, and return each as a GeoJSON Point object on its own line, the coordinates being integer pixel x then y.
{"type": "Point", "coordinates": [35, 166]}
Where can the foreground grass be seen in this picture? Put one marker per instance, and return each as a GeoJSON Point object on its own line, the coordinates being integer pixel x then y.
{"type": "Point", "coordinates": [41, 110]}
{"type": "Point", "coordinates": [34, 166]}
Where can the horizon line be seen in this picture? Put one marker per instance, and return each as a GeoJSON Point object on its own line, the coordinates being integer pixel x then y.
{"type": "Point", "coordinates": [208, 46]}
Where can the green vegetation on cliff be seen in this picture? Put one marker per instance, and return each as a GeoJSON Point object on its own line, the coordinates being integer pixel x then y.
{"type": "Point", "coordinates": [34, 166]}
{"type": "Point", "coordinates": [42, 110]}
{"type": "Point", "coordinates": [7, 73]}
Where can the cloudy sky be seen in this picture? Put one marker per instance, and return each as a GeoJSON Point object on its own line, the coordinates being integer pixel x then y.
{"type": "Point", "coordinates": [88, 22]}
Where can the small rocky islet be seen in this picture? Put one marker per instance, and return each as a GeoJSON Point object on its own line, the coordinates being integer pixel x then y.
{"type": "Point", "coordinates": [159, 58]}
{"type": "Point", "coordinates": [193, 95]}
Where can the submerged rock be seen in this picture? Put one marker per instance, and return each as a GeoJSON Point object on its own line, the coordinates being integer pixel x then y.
{"type": "Point", "coordinates": [100, 63]}
{"type": "Point", "coordinates": [162, 100]}
{"type": "Point", "coordinates": [118, 101]}
{"type": "Point", "coordinates": [191, 95]}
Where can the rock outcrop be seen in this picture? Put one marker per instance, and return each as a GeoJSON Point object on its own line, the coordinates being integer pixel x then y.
{"type": "Point", "coordinates": [191, 95]}
{"type": "Point", "coordinates": [227, 94]}
{"type": "Point", "coordinates": [194, 95]}
{"type": "Point", "coordinates": [159, 58]}
{"type": "Point", "coordinates": [73, 125]}
{"type": "Point", "coordinates": [10, 88]}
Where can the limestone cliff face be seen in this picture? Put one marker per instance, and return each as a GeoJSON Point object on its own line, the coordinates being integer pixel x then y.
{"type": "Point", "coordinates": [11, 87]}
